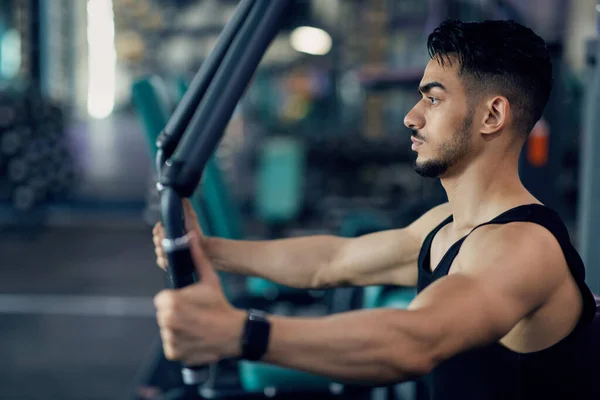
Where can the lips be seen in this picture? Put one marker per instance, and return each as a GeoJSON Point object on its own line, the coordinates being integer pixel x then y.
{"type": "Point", "coordinates": [415, 141]}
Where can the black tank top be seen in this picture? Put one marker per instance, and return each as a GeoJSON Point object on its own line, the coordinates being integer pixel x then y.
{"type": "Point", "coordinates": [495, 372]}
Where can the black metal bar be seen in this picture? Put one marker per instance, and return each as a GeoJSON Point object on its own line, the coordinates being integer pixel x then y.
{"type": "Point", "coordinates": [181, 266]}
{"type": "Point", "coordinates": [215, 91]}
{"type": "Point", "coordinates": [184, 169]}
{"type": "Point", "coordinates": [179, 120]}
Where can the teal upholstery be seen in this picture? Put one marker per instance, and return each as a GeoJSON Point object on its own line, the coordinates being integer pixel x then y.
{"type": "Point", "coordinates": [280, 180]}
{"type": "Point", "coordinates": [268, 289]}
{"type": "Point", "coordinates": [150, 97]}
{"type": "Point", "coordinates": [225, 216]}
{"type": "Point", "coordinates": [400, 297]}
{"type": "Point", "coordinates": [256, 377]}
{"type": "Point", "coordinates": [388, 297]}
{"type": "Point", "coordinates": [372, 296]}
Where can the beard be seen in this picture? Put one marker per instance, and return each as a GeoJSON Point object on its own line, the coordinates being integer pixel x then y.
{"type": "Point", "coordinates": [451, 152]}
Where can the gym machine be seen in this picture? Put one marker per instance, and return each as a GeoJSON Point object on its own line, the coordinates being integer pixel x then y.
{"type": "Point", "coordinates": [589, 183]}
{"type": "Point", "coordinates": [195, 128]}
{"type": "Point", "coordinates": [184, 149]}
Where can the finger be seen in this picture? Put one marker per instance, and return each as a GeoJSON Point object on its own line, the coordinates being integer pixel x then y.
{"type": "Point", "coordinates": [188, 208]}
{"type": "Point", "coordinates": [165, 301]}
{"type": "Point", "coordinates": [201, 261]}
{"type": "Point", "coordinates": [191, 219]}
{"type": "Point", "coordinates": [157, 228]}
{"type": "Point", "coordinates": [162, 263]}
{"type": "Point", "coordinates": [157, 240]}
{"type": "Point", "coordinates": [169, 346]}
{"type": "Point", "coordinates": [161, 259]}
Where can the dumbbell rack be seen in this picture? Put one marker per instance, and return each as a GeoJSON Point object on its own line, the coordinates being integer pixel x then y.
{"type": "Point", "coordinates": [36, 165]}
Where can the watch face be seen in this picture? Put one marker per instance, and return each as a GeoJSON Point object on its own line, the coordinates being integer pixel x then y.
{"type": "Point", "coordinates": [256, 314]}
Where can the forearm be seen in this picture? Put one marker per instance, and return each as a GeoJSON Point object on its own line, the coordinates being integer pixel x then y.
{"type": "Point", "coordinates": [369, 346]}
{"type": "Point", "coordinates": [293, 262]}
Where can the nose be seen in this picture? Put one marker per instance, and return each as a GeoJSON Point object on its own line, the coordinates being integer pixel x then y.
{"type": "Point", "coordinates": [414, 120]}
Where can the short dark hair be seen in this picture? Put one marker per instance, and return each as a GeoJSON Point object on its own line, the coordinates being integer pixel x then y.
{"type": "Point", "coordinates": [502, 57]}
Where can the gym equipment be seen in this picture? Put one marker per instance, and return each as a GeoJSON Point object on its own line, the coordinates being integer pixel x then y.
{"type": "Point", "coordinates": [217, 215]}
{"type": "Point", "coordinates": [178, 178]}
{"type": "Point", "coordinates": [215, 208]}
{"type": "Point", "coordinates": [280, 186]}
{"type": "Point", "coordinates": [213, 203]}
{"type": "Point", "coordinates": [36, 163]}
{"type": "Point", "coordinates": [180, 167]}
{"type": "Point", "coordinates": [589, 182]}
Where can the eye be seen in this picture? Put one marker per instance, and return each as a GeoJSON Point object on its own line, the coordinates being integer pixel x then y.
{"type": "Point", "coordinates": [433, 100]}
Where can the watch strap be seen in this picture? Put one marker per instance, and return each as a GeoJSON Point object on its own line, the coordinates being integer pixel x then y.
{"type": "Point", "coordinates": [255, 338]}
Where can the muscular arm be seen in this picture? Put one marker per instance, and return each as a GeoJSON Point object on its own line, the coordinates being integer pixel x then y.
{"type": "Point", "coordinates": [320, 261]}
{"type": "Point", "coordinates": [499, 284]}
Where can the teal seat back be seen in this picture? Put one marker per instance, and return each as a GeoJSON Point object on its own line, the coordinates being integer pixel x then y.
{"type": "Point", "coordinates": [268, 289]}
{"type": "Point", "coordinates": [151, 99]}
{"type": "Point", "coordinates": [225, 216]}
{"type": "Point", "coordinates": [388, 297]}
{"type": "Point", "coordinates": [371, 296]}
{"type": "Point", "coordinates": [255, 377]}
{"type": "Point", "coordinates": [280, 180]}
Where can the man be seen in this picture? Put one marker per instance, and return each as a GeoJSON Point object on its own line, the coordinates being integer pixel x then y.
{"type": "Point", "coordinates": [501, 305]}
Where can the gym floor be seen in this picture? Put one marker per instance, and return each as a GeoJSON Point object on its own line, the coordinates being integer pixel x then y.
{"type": "Point", "coordinates": [76, 300]}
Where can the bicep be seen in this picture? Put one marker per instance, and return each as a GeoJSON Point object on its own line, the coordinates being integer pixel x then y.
{"type": "Point", "coordinates": [460, 312]}
{"type": "Point", "coordinates": [496, 288]}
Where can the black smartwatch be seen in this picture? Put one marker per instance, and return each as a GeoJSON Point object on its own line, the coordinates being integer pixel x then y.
{"type": "Point", "coordinates": [255, 339]}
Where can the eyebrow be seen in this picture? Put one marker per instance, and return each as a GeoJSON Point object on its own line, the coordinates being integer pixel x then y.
{"type": "Point", "coordinates": [428, 86]}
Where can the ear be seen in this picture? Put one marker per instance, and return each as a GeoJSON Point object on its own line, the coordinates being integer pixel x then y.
{"type": "Point", "coordinates": [496, 115]}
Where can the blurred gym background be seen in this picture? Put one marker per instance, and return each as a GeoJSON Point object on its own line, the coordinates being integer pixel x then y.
{"type": "Point", "coordinates": [317, 145]}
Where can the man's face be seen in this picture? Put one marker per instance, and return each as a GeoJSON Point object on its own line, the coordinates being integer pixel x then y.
{"type": "Point", "coordinates": [441, 121]}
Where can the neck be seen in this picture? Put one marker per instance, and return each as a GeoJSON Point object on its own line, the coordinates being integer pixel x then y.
{"type": "Point", "coordinates": [484, 189]}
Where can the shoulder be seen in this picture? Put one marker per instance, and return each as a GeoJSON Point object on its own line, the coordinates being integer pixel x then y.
{"type": "Point", "coordinates": [520, 237]}
{"type": "Point", "coordinates": [519, 249]}
{"type": "Point", "coordinates": [427, 222]}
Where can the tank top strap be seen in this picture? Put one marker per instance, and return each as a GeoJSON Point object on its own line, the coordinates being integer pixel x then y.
{"type": "Point", "coordinates": [443, 268]}
{"type": "Point", "coordinates": [426, 246]}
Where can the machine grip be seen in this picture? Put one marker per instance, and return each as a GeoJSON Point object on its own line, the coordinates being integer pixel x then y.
{"type": "Point", "coordinates": [182, 271]}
